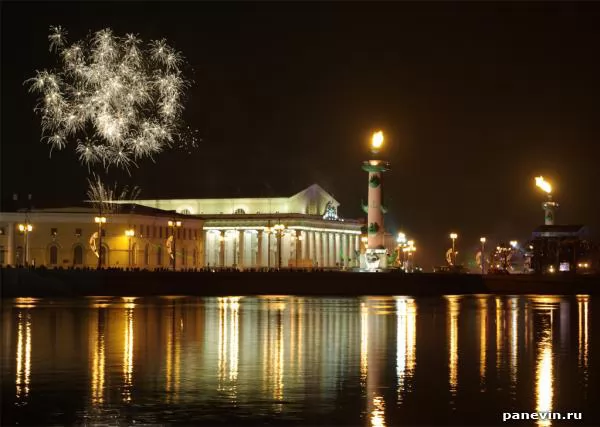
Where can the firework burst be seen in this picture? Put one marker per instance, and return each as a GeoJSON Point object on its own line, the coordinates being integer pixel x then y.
{"type": "Point", "coordinates": [116, 100]}
{"type": "Point", "coordinates": [106, 199]}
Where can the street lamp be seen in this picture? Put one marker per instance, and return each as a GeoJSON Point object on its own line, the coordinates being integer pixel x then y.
{"type": "Point", "coordinates": [25, 229]}
{"type": "Point", "coordinates": [100, 220]}
{"type": "Point", "coordinates": [279, 230]}
{"type": "Point", "coordinates": [174, 224]}
{"type": "Point", "coordinates": [453, 236]}
{"type": "Point", "coordinates": [482, 240]}
{"type": "Point", "coordinates": [514, 244]}
{"type": "Point", "coordinates": [130, 233]}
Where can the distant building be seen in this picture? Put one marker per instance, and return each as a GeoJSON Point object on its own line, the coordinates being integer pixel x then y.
{"type": "Point", "coordinates": [561, 248]}
{"type": "Point", "coordinates": [228, 232]}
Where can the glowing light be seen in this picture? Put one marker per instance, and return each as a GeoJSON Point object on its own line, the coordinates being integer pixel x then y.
{"type": "Point", "coordinates": [544, 390]}
{"type": "Point", "coordinates": [377, 140]}
{"type": "Point", "coordinates": [378, 412]}
{"type": "Point", "coordinates": [514, 243]}
{"type": "Point", "coordinates": [406, 342]}
{"type": "Point", "coordinates": [543, 184]}
{"type": "Point", "coordinates": [482, 338]}
{"type": "Point", "coordinates": [364, 342]}
{"type": "Point", "coordinates": [128, 353]}
{"type": "Point", "coordinates": [98, 360]}
{"type": "Point", "coordinates": [453, 312]}
{"type": "Point", "coordinates": [583, 339]}
{"type": "Point", "coordinates": [482, 239]}
{"type": "Point", "coordinates": [23, 358]}
{"type": "Point", "coordinates": [453, 236]}
{"type": "Point", "coordinates": [118, 101]}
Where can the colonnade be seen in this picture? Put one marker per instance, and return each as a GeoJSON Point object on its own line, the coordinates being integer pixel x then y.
{"type": "Point", "coordinates": [290, 248]}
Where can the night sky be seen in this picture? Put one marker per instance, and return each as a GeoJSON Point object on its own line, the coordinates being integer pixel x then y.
{"type": "Point", "coordinates": [475, 99]}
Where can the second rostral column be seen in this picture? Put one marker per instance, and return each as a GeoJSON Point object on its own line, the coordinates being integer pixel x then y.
{"type": "Point", "coordinates": [376, 257]}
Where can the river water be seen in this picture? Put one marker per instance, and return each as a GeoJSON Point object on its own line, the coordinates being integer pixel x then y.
{"type": "Point", "coordinates": [368, 361]}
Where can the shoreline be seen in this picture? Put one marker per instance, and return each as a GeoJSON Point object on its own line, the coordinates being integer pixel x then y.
{"type": "Point", "coordinates": [21, 282]}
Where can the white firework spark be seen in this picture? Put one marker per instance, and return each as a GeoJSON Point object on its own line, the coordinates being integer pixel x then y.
{"type": "Point", "coordinates": [118, 101]}
{"type": "Point", "coordinates": [103, 197]}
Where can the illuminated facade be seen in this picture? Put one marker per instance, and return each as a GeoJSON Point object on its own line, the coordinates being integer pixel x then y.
{"type": "Point", "coordinates": [303, 230]}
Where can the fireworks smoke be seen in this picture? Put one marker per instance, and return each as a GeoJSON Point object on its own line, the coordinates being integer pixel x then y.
{"type": "Point", "coordinates": [117, 100]}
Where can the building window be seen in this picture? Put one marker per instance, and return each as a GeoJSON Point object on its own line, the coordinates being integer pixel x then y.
{"type": "Point", "coordinates": [134, 254]}
{"type": "Point", "coordinates": [53, 255]}
{"type": "Point", "coordinates": [53, 231]}
{"type": "Point", "coordinates": [183, 256]}
{"type": "Point", "coordinates": [154, 231]}
{"type": "Point", "coordinates": [239, 211]}
{"type": "Point", "coordinates": [147, 231]}
{"type": "Point", "coordinates": [186, 212]}
{"type": "Point", "coordinates": [195, 257]}
{"type": "Point", "coordinates": [2, 255]}
{"type": "Point", "coordinates": [184, 233]}
{"type": "Point", "coordinates": [78, 232]}
{"type": "Point", "coordinates": [78, 255]}
{"type": "Point", "coordinates": [2, 231]}
{"type": "Point", "coordinates": [196, 234]}
{"type": "Point", "coordinates": [147, 254]}
{"type": "Point", "coordinates": [160, 232]}
{"type": "Point", "coordinates": [179, 233]}
{"type": "Point", "coordinates": [159, 256]}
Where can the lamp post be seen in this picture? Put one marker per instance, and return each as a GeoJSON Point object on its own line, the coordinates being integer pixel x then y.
{"type": "Point", "coordinates": [174, 224]}
{"type": "Point", "coordinates": [279, 230]}
{"type": "Point", "coordinates": [482, 240]}
{"type": "Point", "coordinates": [130, 233]}
{"type": "Point", "coordinates": [100, 220]}
{"type": "Point", "coordinates": [25, 229]}
{"type": "Point", "coordinates": [453, 236]}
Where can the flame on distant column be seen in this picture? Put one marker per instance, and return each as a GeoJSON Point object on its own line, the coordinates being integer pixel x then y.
{"type": "Point", "coordinates": [543, 184]}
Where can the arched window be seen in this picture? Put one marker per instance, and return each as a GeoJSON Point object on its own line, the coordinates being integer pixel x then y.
{"type": "Point", "coordinates": [53, 255]}
{"type": "Point", "coordinates": [147, 254]}
{"type": "Point", "coordinates": [239, 211]}
{"type": "Point", "coordinates": [134, 254]}
{"type": "Point", "coordinates": [159, 256]}
{"type": "Point", "coordinates": [185, 212]}
{"type": "Point", "coordinates": [78, 255]}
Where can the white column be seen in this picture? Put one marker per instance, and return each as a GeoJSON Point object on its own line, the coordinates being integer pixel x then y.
{"type": "Point", "coordinates": [10, 259]}
{"type": "Point", "coordinates": [330, 261]}
{"type": "Point", "coordinates": [324, 249]}
{"type": "Point", "coordinates": [338, 249]}
{"type": "Point", "coordinates": [344, 251]}
{"type": "Point", "coordinates": [241, 237]}
{"type": "Point", "coordinates": [259, 251]}
{"type": "Point", "coordinates": [349, 251]}
{"type": "Point", "coordinates": [303, 242]}
{"type": "Point", "coordinates": [357, 244]}
{"type": "Point", "coordinates": [318, 249]}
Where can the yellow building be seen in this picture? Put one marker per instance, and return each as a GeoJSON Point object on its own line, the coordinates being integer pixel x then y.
{"type": "Point", "coordinates": [69, 237]}
{"type": "Point", "coordinates": [303, 230]}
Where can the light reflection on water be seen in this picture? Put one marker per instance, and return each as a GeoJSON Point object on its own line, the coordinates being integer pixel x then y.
{"type": "Point", "coordinates": [371, 361]}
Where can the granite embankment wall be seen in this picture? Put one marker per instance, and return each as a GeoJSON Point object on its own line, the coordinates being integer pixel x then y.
{"type": "Point", "coordinates": [74, 283]}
